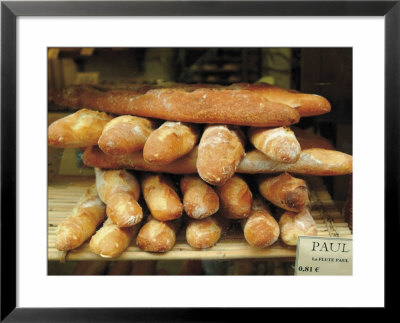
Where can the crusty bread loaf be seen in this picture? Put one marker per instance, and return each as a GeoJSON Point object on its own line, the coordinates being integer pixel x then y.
{"type": "Point", "coordinates": [161, 197]}
{"type": "Point", "coordinates": [77, 130]}
{"type": "Point", "coordinates": [238, 104]}
{"type": "Point", "coordinates": [158, 236]}
{"type": "Point", "coordinates": [220, 152]}
{"type": "Point", "coordinates": [199, 199]}
{"type": "Point", "coordinates": [313, 161]}
{"type": "Point", "coordinates": [169, 142]}
{"type": "Point", "coordinates": [278, 144]}
{"type": "Point", "coordinates": [306, 104]}
{"type": "Point", "coordinates": [205, 233]}
{"type": "Point", "coordinates": [88, 213]}
{"type": "Point", "coordinates": [120, 190]}
{"type": "Point", "coordinates": [293, 225]}
{"type": "Point", "coordinates": [110, 241]}
{"type": "Point", "coordinates": [110, 182]}
{"type": "Point", "coordinates": [285, 191]}
{"type": "Point", "coordinates": [94, 157]}
{"type": "Point", "coordinates": [125, 134]}
{"type": "Point", "coordinates": [235, 198]}
{"type": "Point", "coordinates": [260, 229]}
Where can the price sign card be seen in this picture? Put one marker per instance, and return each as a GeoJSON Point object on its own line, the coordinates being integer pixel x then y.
{"type": "Point", "coordinates": [324, 256]}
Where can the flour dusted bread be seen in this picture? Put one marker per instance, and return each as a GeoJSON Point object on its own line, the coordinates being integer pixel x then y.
{"type": "Point", "coordinates": [238, 104]}
{"type": "Point", "coordinates": [205, 233]}
{"type": "Point", "coordinates": [161, 197]}
{"type": "Point", "coordinates": [293, 225]}
{"type": "Point", "coordinates": [278, 144]}
{"type": "Point", "coordinates": [220, 152]}
{"type": "Point", "coordinates": [169, 142]}
{"type": "Point", "coordinates": [260, 229]}
{"type": "Point", "coordinates": [199, 199]}
{"type": "Point", "coordinates": [88, 213]}
{"type": "Point", "coordinates": [158, 236]}
{"type": "Point", "coordinates": [236, 198]}
{"type": "Point", "coordinates": [312, 161]}
{"type": "Point", "coordinates": [110, 241]}
{"type": "Point", "coordinates": [285, 191]}
{"type": "Point", "coordinates": [125, 134]}
{"type": "Point", "coordinates": [120, 190]}
{"type": "Point", "coordinates": [77, 130]}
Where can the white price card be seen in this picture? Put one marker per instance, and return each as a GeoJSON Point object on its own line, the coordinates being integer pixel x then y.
{"type": "Point", "coordinates": [324, 256]}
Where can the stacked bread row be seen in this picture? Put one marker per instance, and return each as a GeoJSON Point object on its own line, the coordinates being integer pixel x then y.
{"type": "Point", "coordinates": [211, 138]}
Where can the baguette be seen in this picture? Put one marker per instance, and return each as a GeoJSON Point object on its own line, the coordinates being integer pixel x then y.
{"type": "Point", "coordinates": [78, 130]}
{"type": "Point", "coordinates": [285, 191]}
{"type": "Point", "coordinates": [161, 198]}
{"type": "Point", "coordinates": [235, 198]}
{"type": "Point", "coordinates": [199, 198]}
{"type": "Point", "coordinates": [169, 142]}
{"type": "Point", "coordinates": [158, 236]}
{"type": "Point", "coordinates": [278, 144]}
{"type": "Point", "coordinates": [205, 233]}
{"type": "Point", "coordinates": [120, 190]}
{"type": "Point", "coordinates": [88, 213]}
{"type": "Point", "coordinates": [313, 161]}
{"type": "Point", "coordinates": [125, 134]}
{"type": "Point", "coordinates": [239, 104]}
{"type": "Point", "coordinates": [220, 152]}
{"type": "Point", "coordinates": [309, 140]}
{"type": "Point", "coordinates": [260, 229]}
{"type": "Point", "coordinates": [293, 225]}
{"type": "Point", "coordinates": [110, 241]}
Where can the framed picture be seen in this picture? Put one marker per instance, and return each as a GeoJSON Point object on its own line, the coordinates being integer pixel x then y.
{"type": "Point", "coordinates": [369, 28]}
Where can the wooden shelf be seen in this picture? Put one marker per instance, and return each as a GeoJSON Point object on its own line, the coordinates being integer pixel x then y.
{"type": "Point", "coordinates": [64, 192]}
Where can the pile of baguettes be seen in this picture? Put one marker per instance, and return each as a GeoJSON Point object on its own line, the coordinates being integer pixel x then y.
{"type": "Point", "coordinates": [195, 150]}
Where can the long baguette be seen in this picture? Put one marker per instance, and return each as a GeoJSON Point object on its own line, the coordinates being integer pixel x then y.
{"type": "Point", "coordinates": [77, 130]}
{"type": "Point", "coordinates": [120, 190]}
{"type": "Point", "coordinates": [260, 229]}
{"type": "Point", "coordinates": [285, 191]}
{"type": "Point", "coordinates": [169, 142]}
{"type": "Point", "coordinates": [125, 134]}
{"type": "Point", "coordinates": [313, 161]}
{"type": "Point", "coordinates": [220, 152]}
{"type": "Point", "coordinates": [238, 104]}
{"type": "Point", "coordinates": [88, 213]}
{"type": "Point", "coordinates": [110, 241]}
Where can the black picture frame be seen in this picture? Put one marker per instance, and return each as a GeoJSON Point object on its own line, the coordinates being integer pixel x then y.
{"type": "Point", "coordinates": [10, 10]}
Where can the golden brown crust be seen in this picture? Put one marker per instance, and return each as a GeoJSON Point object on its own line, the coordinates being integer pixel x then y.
{"type": "Point", "coordinates": [110, 241]}
{"type": "Point", "coordinates": [309, 140]}
{"type": "Point", "coordinates": [80, 129]}
{"type": "Point", "coordinates": [220, 152]}
{"type": "Point", "coordinates": [205, 233]}
{"type": "Point", "coordinates": [169, 142]}
{"type": "Point", "coordinates": [293, 225]}
{"type": "Point", "coordinates": [285, 191]}
{"type": "Point", "coordinates": [161, 197]}
{"type": "Point", "coordinates": [313, 161]}
{"type": "Point", "coordinates": [199, 198]}
{"type": "Point", "coordinates": [88, 213]}
{"type": "Point", "coordinates": [235, 198]}
{"type": "Point", "coordinates": [260, 229]}
{"type": "Point", "coordinates": [125, 134]}
{"type": "Point", "coordinates": [111, 182]}
{"type": "Point", "coordinates": [243, 104]}
{"type": "Point", "coordinates": [158, 236]}
{"type": "Point", "coordinates": [278, 144]}
{"type": "Point", "coordinates": [124, 210]}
